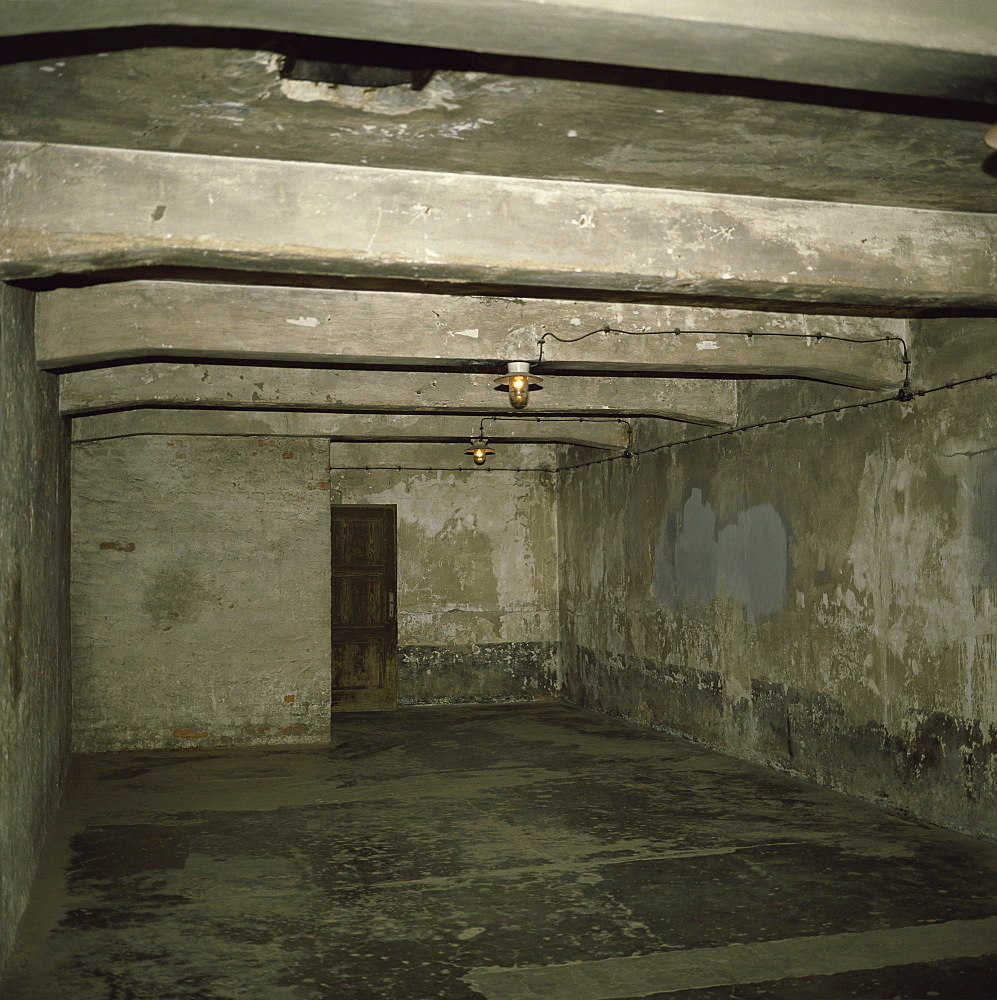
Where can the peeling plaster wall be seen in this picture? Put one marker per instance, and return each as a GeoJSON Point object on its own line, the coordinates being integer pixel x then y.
{"type": "Point", "coordinates": [34, 665]}
{"type": "Point", "coordinates": [477, 578]}
{"type": "Point", "coordinates": [200, 592]}
{"type": "Point", "coordinates": [820, 596]}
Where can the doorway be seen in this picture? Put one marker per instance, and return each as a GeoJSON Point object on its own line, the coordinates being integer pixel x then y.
{"type": "Point", "coordinates": [364, 621]}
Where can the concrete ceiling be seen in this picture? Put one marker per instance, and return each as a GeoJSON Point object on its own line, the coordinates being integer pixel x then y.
{"type": "Point", "coordinates": [605, 125]}
{"type": "Point", "coordinates": [927, 47]}
{"type": "Point", "coordinates": [574, 152]}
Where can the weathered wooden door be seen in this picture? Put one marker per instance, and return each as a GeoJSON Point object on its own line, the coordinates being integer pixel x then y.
{"type": "Point", "coordinates": [364, 627]}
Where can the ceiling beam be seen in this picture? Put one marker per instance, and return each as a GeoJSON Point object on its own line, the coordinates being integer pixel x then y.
{"type": "Point", "coordinates": [705, 401]}
{"type": "Point", "coordinates": [603, 433]}
{"type": "Point", "coordinates": [157, 319]}
{"type": "Point", "coordinates": [512, 456]}
{"type": "Point", "coordinates": [928, 47]}
{"type": "Point", "coordinates": [77, 209]}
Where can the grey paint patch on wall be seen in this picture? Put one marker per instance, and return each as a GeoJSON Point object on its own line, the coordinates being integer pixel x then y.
{"type": "Point", "coordinates": [747, 560]}
{"type": "Point", "coordinates": [877, 677]}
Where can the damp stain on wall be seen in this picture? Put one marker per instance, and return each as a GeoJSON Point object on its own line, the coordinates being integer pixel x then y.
{"type": "Point", "coordinates": [11, 651]}
{"type": "Point", "coordinates": [175, 594]}
{"type": "Point", "coordinates": [212, 602]}
{"type": "Point", "coordinates": [984, 515]}
{"type": "Point", "coordinates": [698, 558]}
{"type": "Point", "coordinates": [35, 695]}
{"type": "Point", "coordinates": [876, 673]}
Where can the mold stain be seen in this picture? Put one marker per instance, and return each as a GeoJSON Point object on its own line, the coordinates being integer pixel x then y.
{"type": "Point", "coordinates": [174, 595]}
{"type": "Point", "coordinates": [984, 516]}
{"type": "Point", "coordinates": [13, 615]}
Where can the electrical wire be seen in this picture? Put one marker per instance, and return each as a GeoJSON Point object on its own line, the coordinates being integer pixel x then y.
{"type": "Point", "coordinates": [901, 398]}
{"type": "Point", "coordinates": [726, 333]}
{"type": "Point", "coordinates": [750, 334]}
{"type": "Point", "coordinates": [553, 417]}
{"type": "Point", "coordinates": [437, 468]}
{"type": "Point", "coordinates": [905, 395]}
{"type": "Point", "coordinates": [727, 432]}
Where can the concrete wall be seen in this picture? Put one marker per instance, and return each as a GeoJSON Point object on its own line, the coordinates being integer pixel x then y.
{"type": "Point", "coordinates": [200, 592]}
{"type": "Point", "coordinates": [201, 586]}
{"type": "Point", "coordinates": [34, 667]}
{"type": "Point", "coordinates": [477, 569]}
{"type": "Point", "coordinates": [819, 595]}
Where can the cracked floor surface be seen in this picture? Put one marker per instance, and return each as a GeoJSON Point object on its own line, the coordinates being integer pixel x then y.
{"type": "Point", "coordinates": [498, 853]}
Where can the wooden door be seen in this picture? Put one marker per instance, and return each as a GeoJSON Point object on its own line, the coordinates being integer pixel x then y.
{"type": "Point", "coordinates": [364, 628]}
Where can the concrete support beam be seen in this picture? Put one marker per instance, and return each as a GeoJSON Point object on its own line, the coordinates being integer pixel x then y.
{"type": "Point", "coordinates": [953, 348]}
{"type": "Point", "coordinates": [705, 401]}
{"type": "Point", "coordinates": [933, 47]}
{"type": "Point", "coordinates": [155, 319]}
{"type": "Point", "coordinates": [365, 427]}
{"type": "Point", "coordinates": [75, 208]}
{"type": "Point", "coordinates": [444, 457]}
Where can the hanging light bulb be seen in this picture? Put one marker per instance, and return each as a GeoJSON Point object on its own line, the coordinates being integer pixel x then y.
{"type": "Point", "coordinates": [479, 450]}
{"type": "Point", "coordinates": [518, 382]}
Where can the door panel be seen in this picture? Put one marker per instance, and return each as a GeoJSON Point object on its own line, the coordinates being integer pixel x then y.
{"type": "Point", "coordinates": [358, 603]}
{"type": "Point", "coordinates": [359, 541]}
{"type": "Point", "coordinates": [361, 665]}
{"type": "Point", "coordinates": [364, 629]}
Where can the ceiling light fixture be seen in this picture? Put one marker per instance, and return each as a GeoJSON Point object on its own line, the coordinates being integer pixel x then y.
{"type": "Point", "coordinates": [479, 450]}
{"type": "Point", "coordinates": [518, 382]}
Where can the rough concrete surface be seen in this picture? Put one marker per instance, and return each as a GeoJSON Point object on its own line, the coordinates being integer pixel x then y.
{"type": "Point", "coordinates": [162, 208]}
{"type": "Point", "coordinates": [494, 853]}
{"type": "Point", "coordinates": [397, 428]}
{"type": "Point", "coordinates": [479, 673]}
{"type": "Point", "coordinates": [644, 129]}
{"type": "Point", "coordinates": [707, 401]}
{"type": "Point", "coordinates": [930, 47]}
{"type": "Point", "coordinates": [78, 326]}
{"type": "Point", "coordinates": [818, 595]}
{"type": "Point", "coordinates": [422, 456]}
{"type": "Point", "coordinates": [34, 607]}
{"type": "Point", "coordinates": [200, 592]}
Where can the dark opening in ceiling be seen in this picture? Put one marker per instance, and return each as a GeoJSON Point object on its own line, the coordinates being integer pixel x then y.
{"type": "Point", "coordinates": [388, 64]}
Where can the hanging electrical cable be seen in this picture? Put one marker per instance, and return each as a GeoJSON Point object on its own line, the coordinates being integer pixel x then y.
{"type": "Point", "coordinates": [479, 450]}
{"type": "Point", "coordinates": [750, 334]}
{"type": "Point", "coordinates": [900, 397]}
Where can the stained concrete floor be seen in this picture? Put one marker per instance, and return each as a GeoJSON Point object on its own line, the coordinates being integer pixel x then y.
{"type": "Point", "coordinates": [497, 852]}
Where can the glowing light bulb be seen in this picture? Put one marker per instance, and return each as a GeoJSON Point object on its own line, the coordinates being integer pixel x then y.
{"type": "Point", "coordinates": [519, 392]}
{"type": "Point", "coordinates": [519, 381]}
{"type": "Point", "coordinates": [479, 450]}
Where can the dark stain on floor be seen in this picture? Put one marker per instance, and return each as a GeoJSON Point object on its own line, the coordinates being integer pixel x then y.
{"type": "Point", "coordinates": [428, 843]}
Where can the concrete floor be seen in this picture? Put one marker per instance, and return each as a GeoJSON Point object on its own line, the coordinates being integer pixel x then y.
{"type": "Point", "coordinates": [498, 852]}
